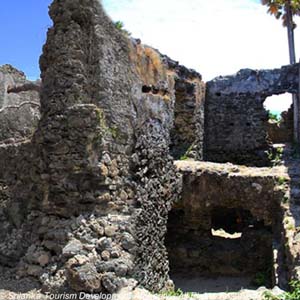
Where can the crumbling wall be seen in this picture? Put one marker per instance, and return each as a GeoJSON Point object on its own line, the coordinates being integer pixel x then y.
{"type": "Point", "coordinates": [92, 189]}
{"type": "Point", "coordinates": [19, 112]}
{"type": "Point", "coordinates": [282, 131]}
{"type": "Point", "coordinates": [188, 131]}
{"type": "Point", "coordinates": [236, 121]}
{"type": "Point", "coordinates": [236, 199]}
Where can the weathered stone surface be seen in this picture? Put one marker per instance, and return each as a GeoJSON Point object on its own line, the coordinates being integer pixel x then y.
{"type": "Point", "coordinates": [188, 132]}
{"type": "Point", "coordinates": [84, 203]}
{"type": "Point", "coordinates": [72, 248]}
{"type": "Point", "coordinates": [83, 277]}
{"type": "Point", "coordinates": [282, 131]}
{"type": "Point", "coordinates": [100, 152]}
{"type": "Point", "coordinates": [19, 112]}
{"type": "Point", "coordinates": [235, 119]}
{"type": "Point", "coordinates": [231, 198]}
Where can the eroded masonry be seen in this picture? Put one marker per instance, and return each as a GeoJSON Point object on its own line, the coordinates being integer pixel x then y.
{"type": "Point", "coordinates": [91, 196]}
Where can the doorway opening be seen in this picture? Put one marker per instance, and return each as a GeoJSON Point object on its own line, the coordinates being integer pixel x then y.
{"type": "Point", "coordinates": [280, 118]}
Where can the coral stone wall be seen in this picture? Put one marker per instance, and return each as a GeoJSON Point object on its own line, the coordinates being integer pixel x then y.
{"type": "Point", "coordinates": [235, 119]}
{"type": "Point", "coordinates": [86, 199]}
{"type": "Point", "coordinates": [236, 199]}
{"type": "Point", "coordinates": [188, 131]}
{"type": "Point", "coordinates": [282, 131]}
{"type": "Point", "coordinates": [19, 112]}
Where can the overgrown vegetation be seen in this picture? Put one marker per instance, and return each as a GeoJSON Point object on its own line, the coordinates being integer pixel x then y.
{"type": "Point", "coordinates": [282, 181]}
{"type": "Point", "coordinates": [275, 156]}
{"type": "Point", "coordinates": [293, 294]}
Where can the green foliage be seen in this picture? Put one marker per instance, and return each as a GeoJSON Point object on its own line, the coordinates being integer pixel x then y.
{"type": "Point", "coordinates": [278, 8]}
{"type": "Point", "coordinates": [285, 199]}
{"type": "Point", "coordinates": [175, 293]}
{"type": "Point", "coordinates": [282, 180]}
{"type": "Point", "coordinates": [274, 117]}
{"type": "Point", "coordinates": [185, 156]}
{"type": "Point", "coordinates": [267, 295]}
{"type": "Point", "coordinates": [275, 155]}
{"type": "Point", "coordinates": [114, 132]}
{"type": "Point", "coordinates": [120, 25]}
{"type": "Point", "coordinates": [293, 294]}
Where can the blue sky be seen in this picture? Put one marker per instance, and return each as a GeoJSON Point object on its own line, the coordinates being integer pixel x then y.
{"type": "Point", "coordinates": [23, 26]}
{"type": "Point", "coordinates": [216, 37]}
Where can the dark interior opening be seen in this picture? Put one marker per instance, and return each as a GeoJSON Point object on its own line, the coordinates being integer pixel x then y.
{"type": "Point", "coordinates": [223, 249]}
{"type": "Point", "coordinates": [146, 89]}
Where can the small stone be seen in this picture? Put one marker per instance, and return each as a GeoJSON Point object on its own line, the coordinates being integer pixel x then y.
{"type": "Point", "coordinates": [104, 198]}
{"type": "Point", "coordinates": [110, 230]}
{"type": "Point", "coordinates": [105, 243]}
{"type": "Point", "coordinates": [106, 159]}
{"type": "Point", "coordinates": [115, 254]}
{"type": "Point", "coordinates": [84, 277]}
{"type": "Point", "coordinates": [103, 170]}
{"type": "Point", "coordinates": [121, 270]}
{"type": "Point", "coordinates": [43, 259]}
{"type": "Point", "coordinates": [97, 228]}
{"type": "Point", "coordinates": [257, 186]}
{"type": "Point", "coordinates": [113, 169]}
{"type": "Point", "coordinates": [89, 247]}
{"type": "Point", "coordinates": [105, 255]}
{"type": "Point", "coordinates": [34, 270]}
{"type": "Point", "coordinates": [123, 196]}
{"type": "Point", "coordinates": [128, 241]}
{"type": "Point", "coordinates": [81, 259]}
{"type": "Point", "coordinates": [72, 248]}
{"type": "Point", "coordinates": [110, 282]}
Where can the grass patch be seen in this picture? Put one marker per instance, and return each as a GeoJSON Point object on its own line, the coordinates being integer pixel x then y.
{"type": "Point", "coordinates": [293, 294]}
{"type": "Point", "coordinates": [177, 293]}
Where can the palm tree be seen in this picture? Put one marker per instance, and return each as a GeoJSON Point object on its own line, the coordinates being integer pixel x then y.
{"type": "Point", "coordinates": [286, 10]}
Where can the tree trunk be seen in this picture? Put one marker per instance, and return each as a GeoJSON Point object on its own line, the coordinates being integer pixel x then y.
{"type": "Point", "coordinates": [290, 32]}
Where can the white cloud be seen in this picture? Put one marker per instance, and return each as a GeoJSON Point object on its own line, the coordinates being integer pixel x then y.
{"type": "Point", "coordinates": [214, 37]}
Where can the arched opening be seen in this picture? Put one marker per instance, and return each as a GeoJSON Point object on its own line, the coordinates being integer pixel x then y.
{"type": "Point", "coordinates": [277, 104]}
{"type": "Point", "coordinates": [280, 118]}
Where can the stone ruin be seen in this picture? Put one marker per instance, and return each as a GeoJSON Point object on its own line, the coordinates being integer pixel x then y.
{"type": "Point", "coordinates": [91, 199]}
{"type": "Point", "coordinates": [236, 121]}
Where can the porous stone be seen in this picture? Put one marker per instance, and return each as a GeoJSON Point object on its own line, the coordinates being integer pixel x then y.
{"type": "Point", "coordinates": [72, 248]}
{"type": "Point", "coordinates": [19, 110]}
{"type": "Point", "coordinates": [236, 120]}
{"type": "Point", "coordinates": [83, 277]}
